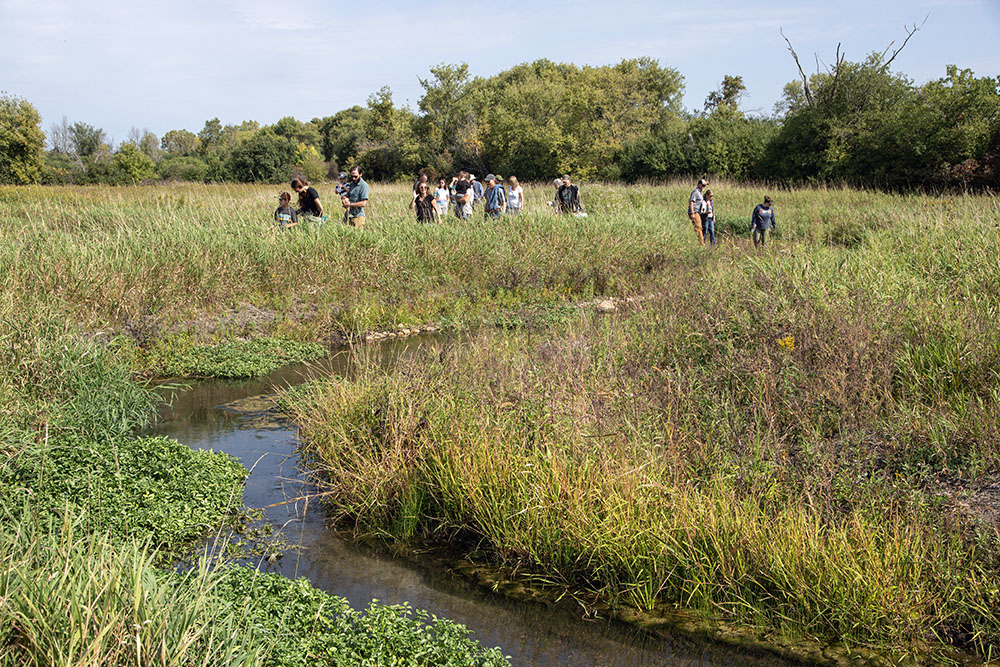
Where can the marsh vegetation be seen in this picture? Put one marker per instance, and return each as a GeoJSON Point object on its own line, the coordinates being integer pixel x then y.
{"type": "Point", "coordinates": [800, 440]}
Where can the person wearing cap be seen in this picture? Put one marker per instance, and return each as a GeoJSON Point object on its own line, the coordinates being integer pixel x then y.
{"type": "Point", "coordinates": [357, 199]}
{"type": "Point", "coordinates": [477, 190]}
{"type": "Point", "coordinates": [568, 196]}
{"type": "Point", "coordinates": [761, 220]}
{"type": "Point", "coordinates": [695, 203]}
{"type": "Point", "coordinates": [496, 203]}
{"type": "Point", "coordinates": [342, 189]}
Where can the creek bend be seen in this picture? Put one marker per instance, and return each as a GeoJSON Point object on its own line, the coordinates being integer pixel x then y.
{"type": "Point", "coordinates": [235, 417]}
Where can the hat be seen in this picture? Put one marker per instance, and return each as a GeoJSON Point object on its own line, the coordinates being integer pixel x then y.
{"type": "Point", "coordinates": [472, 177]}
{"type": "Point", "coordinates": [490, 177]}
{"type": "Point", "coordinates": [702, 181]}
{"type": "Point", "coordinates": [342, 174]}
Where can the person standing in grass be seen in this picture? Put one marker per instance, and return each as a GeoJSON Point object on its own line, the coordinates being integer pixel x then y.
{"type": "Point", "coordinates": [495, 202]}
{"type": "Point", "coordinates": [762, 220]}
{"type": "Point", "coordinates": [515, 196]}
{"type": "Point", "coordinates": [421, 178]}
{"type": "Point", "coordinates": [477, 190]}
{"type": "Point", "coordinates": [708, 218]}
{"type": "Point", "coordinates": [285, 215]}
{"type": "Point", "coordinates": [503, 190]}
{"type": "Point", "coordinates": [557, 183]}
{"type": "Point", "coordinates": [309, 203]}
{"type": "Point", "coordinates": [568, 196]}
{"type": "Point", "coordinates": [342, 189]}
{"type": "Point", "coordinates": [695, 202]}
{"type": "Point", "coordinates": [461, 191]}
{"type": "Point", "coordinates": [357, 199]}
{"type": "Point", "coordinates": [442, 197]}
{"type": "Point", "coordinates": [423, 202]}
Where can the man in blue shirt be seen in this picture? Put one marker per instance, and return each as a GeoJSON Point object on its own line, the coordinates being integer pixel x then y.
{"type": "Point", "coordinates": [493, 196]}
{"type": "Point", "coordinates": [356, 199]}
{"type": "Point", "coordinates": [477, 190]}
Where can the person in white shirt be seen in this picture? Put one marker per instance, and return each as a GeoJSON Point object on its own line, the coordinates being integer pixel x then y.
{"type": "Point", "coordinates": [515, 196]}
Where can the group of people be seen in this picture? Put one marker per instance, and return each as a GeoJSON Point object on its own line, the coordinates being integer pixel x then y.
{"type": "Point", "coordinates": [701, 211]}
{"type": "Point", "coordinates": [351, 188]}
{"type": "Point", "coordinates": [465, 193]}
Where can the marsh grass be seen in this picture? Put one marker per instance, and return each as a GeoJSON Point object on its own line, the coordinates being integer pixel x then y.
{"type": "Point", "coordinates": [81, 598]}
{"type": "Point", "coordinates": [162, 258]}
{"type": "Point", "coordinates": [767, 437]}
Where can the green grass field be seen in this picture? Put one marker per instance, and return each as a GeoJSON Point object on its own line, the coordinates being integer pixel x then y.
{"type": "Point", "coordinates": [801, 439]}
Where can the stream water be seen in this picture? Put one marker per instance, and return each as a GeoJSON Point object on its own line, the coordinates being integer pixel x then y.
{"type": "Point", "coordinates": [235, 417]}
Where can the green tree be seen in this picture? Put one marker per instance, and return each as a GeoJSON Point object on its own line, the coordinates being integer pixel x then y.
{"type": "Point", "coordinates": [726, 100]}
{"type": "Point", "coordinates": [210, 136]}
{"type": "Point", "coordinates": [545, 117]}
{"type": "Point", "coordinates": [21, 141]}
{"type": "Point", "coordinates": [265, 157]}
{"type": "Point", "coordinates": [341, 134]}
{"type": "Point", "coordinates": [297, 131]}
{"type": "Point", "coordinates": [89, 142]}
{"type": "Point", "coordinates": [182, 168]}
{"type": "Point", "coordinates": [179, 142]}
{"type": "Point", "coordinates": [391, 149]}
{"type": "Point", "coordinates": [132, 165]}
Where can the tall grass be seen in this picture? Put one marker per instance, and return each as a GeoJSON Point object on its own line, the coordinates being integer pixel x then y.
{"type": "Point", "coordinates": [81, 599]}
{"type": "Point", "coordinates": [162, 257]}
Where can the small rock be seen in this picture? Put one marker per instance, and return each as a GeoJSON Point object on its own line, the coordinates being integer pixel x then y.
{"type": "Point", "coordinates": [606, 306]}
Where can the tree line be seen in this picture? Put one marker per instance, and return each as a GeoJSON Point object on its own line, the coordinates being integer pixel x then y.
{"type": "Point", "coordinates": [857, 122]}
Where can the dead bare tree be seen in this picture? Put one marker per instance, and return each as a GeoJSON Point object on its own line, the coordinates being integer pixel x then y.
{"type": "Point", "coordinates": [805, 79]}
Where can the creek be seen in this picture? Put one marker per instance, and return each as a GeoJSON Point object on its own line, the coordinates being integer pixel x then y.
{"type": "Point", "coordinates": [238, 418]}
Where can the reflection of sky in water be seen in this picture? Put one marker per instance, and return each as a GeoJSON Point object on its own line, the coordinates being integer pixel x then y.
{"type": "Point", "coordinates": [235, 417]}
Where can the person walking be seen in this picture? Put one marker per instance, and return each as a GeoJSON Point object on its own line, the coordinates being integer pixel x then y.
{"type": "Point", "coordinates": [695, 202]}
{"type": "Point", "coordinates": [762, 220]}
{"type": "Point", "coordinates": [708, 218]}
{"type": "Point", "coordinates": [356, 199]}
{"type": "Point", "coordinates": [423, 202]}
{"type": "Point", "coordinates": [515, 196]}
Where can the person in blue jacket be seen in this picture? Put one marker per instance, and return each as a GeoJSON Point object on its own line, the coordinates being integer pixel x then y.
{"type": "Point", "coordinates": [761, 221]}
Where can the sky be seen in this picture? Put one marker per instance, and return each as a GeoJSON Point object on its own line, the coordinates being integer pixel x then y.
{"type": "Point", "coordinates": [170, 65]}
